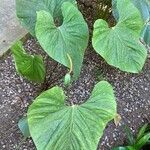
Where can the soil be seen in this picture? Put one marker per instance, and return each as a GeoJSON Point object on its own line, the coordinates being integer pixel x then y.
{"type": "Point", "coordinates": [16, 93]}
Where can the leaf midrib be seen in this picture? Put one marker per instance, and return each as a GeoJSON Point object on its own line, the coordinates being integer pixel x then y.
{"type": "Point", "coordinates": [71, 122]}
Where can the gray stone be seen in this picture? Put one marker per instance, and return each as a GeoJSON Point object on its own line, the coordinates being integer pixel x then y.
{"type": "Point", "coordinates": [10, 29]}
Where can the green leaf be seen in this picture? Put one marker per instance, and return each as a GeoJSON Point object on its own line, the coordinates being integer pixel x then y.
{"type": "Point", "coordinates": [146, 34]}
{"type": "Point", "coordinates": [120, 45]}
{"type": "Point", "coordinates": [144, 8]}
{"type": "Point", "coordinates": [142, 132]}
{"type": "Point", "coordinates": [26, 11]}
{"type": "Point", "coordinates": [124, 148]}
{"type": "Point", "coordinates": [114, 10]}
{"type": "Point", "coordinates": [128, 131]}
{"type": "Point", "coordinates": [23, 126]}
{"type": "Point", "coordinates": [142, 141]}
{"type": "Point", "coordinates": [30, 66]}
{"type": "Point", "coordinates": [53, 125]}
{"type": "Point", "coordinates": [142, 5]}
{"type": "Point", "coordinates": [71, 38]}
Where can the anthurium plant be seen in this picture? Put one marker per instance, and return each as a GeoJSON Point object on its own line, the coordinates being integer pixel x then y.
{"type": "Point", "coordinates": [62, 32]}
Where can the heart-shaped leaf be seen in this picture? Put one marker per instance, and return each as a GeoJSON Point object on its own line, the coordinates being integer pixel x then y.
{"type": "Point", "coordinates": [71, 38]}
{"type": "Point", "coordinates": [53, 125]}
{"type": "Point", "coordinates": [30, 66]}
{"type": "Point", "coordinates": [26, 11]}
{"type": "Point", "coordinates": [144, 8]}
{"type": "Point", "coordinates": [120, 45]}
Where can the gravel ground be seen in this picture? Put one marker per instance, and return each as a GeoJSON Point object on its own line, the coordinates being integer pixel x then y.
{"type": "Point", "coordinates": [132, 92]}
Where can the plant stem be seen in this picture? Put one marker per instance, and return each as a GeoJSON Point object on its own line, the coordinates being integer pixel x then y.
{"type": "Point", "coordinates": [71, 64]}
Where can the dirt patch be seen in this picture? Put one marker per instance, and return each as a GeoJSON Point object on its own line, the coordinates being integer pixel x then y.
{"type": "Point", "coordinates": [132, 92]}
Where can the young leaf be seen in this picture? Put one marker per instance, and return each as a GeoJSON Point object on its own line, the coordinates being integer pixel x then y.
{"type": "Point", "coordinates": [71, 38]}
{"type": "Point", "coordinates": [53, 125]}
{"type": "Point", "coordinates": [67, 79]}
{"type": "Point", "coordinates": [26, 11]}
{"type": "Point", "coordinates": [29, 66]}
{"type": "Point", "coordinates": [23, 126]}
{"type": "Point", "coordinates": [120, 45]}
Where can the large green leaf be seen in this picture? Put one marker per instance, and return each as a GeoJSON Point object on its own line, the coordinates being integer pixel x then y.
{"type": "Point", "coordinates": [120, 45]}
{"type": "Point", "coordinates": [30, 66]}
{"type": "Point", "coordinates": [144, 8]}
{"type": "Point", "coordinates": [71, 38]}
{"type": "Point", "coordinates": [26, 11]}
{"type": "Point", "coordinates": [142, 5]}
{"type": "Point", "coordinates": [53, 125]}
